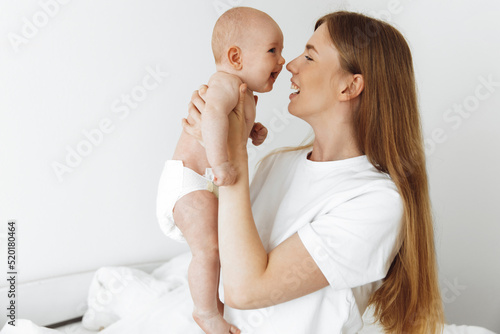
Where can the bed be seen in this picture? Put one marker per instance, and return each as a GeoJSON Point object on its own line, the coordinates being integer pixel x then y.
{"type": "Point", "coordinates": [149, 299]}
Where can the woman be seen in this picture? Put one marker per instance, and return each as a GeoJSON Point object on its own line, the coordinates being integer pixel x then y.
{"type": "Point", "coordinates": [342, 223]}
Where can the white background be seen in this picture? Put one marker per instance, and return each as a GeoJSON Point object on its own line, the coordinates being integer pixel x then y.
{"type": "Point", "coordinates": [70, 73]}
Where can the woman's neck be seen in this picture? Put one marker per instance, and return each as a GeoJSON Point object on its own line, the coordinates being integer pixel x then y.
{"type": "Point", "coordinates": [337, 142]}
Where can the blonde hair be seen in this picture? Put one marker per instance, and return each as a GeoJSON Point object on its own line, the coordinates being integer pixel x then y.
{"type": "Point", "coordinates": [388, 130]}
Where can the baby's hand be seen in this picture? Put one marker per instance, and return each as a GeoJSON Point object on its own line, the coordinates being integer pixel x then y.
{"type": "Point", "coordinates": [258, 134]}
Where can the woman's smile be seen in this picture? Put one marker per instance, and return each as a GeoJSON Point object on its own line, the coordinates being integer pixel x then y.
{"type": "Point", "coordinates": [296, 88]}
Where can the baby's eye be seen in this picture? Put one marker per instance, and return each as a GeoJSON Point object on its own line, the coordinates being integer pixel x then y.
{"type": "Point", "coordinates": [273, 50]}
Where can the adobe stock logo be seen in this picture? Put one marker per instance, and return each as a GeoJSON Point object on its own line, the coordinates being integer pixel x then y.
{"type": "Point", "coordinates": [461, 111]}
{"type": "Point", "coordinates": [122, 108]}
{"type": "Point", "coordinates": [31, 27]}
{"type": "Point", "coordinates": [221, 6]}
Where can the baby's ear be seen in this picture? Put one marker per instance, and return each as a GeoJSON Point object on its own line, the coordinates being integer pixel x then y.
{"type": "Point", "coordinates": [234, 56]}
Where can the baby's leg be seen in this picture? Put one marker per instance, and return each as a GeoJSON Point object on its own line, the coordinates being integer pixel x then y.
{"type": "Point", "coordinates": [195, 214]}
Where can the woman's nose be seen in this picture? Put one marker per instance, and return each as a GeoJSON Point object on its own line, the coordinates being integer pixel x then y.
{"type": "Point", "coordinates": [291, 66]}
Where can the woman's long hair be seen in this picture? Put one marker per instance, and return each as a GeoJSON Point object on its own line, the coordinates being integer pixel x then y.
{"type": "Point", "coordinates": [387, 124]}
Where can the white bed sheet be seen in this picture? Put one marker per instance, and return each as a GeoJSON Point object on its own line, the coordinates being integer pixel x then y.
{"type": "Point", "coordinates": [124, 300]}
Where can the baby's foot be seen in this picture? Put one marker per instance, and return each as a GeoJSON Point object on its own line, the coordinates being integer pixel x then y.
{"type": "Point", "coordinates": [214, 323]}
{"type": "Point", "coordinates": [225, 174]}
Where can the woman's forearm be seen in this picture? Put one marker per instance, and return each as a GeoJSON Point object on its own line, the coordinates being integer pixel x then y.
{"type": "Point", "coordinates": [242, 255]}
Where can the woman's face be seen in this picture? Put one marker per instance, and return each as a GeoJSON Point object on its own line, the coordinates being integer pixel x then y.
{"type": "Point", "coordinates": [317, 77]}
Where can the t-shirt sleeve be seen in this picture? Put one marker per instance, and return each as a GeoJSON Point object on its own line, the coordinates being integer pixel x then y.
{"type": "Point", "coordinates": [355, 242]}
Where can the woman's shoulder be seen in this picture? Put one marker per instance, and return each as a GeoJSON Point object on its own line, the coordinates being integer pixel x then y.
{"type": "Point", "coordinates": [284, 154]}
{"type": "Point", "coordinates": [357, 172]}
{"type": "Point", "coordinates": [368, 178]}
{"type": "Point", "coordinates": [279, 161]}
{"type": "Point", "coordinates": [352, 177]}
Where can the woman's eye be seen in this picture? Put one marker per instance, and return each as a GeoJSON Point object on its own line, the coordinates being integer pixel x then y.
{"type": "Point", "coordinates": [273, 50]}
{"type": "Point", "coordinates": [308, 58]}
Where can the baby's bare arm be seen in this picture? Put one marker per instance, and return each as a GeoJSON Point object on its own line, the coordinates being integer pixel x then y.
{"type": "Point", "coordinates": [221, 97]}
{"type": "Point", "coordinates": [222, 93]}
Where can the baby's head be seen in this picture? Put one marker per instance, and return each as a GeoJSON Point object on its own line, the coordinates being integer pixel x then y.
{"type": "Point", "coordinates": [248, 43]}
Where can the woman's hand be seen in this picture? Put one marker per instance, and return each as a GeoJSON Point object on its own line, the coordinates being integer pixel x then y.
{"type": "Point", "coordinates": [238, 132]}
{"type": "Point", "coordinates": [192, 124]}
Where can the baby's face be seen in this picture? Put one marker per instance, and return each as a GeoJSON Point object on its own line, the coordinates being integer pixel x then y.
{"type": "Point", "coordinates": [262, 60]}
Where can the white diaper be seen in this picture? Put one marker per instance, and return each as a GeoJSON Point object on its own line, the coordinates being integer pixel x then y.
{"type": "Point", "coordinates": [175, 182]}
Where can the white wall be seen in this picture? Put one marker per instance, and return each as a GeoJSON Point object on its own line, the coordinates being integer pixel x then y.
{"type": "Point", "coordinates": [71, 75]}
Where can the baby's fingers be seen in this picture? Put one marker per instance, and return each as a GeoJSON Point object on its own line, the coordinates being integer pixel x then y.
{"type": "Point", "coordinates": [262, 131]}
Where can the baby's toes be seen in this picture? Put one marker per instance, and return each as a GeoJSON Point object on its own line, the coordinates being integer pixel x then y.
{"type": "Point", "coordinates": [234, 330]}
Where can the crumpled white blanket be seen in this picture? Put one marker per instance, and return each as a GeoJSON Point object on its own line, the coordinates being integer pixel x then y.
{"type": "Point", "coordinates": [124, 300]}
{"type": "Point", "coordinates": [120, 292]}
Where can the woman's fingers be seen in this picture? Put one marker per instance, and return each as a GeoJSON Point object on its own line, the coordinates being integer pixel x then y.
{"type": "Point", "coordinates": [197, 101]}
{"type": "Point", "coordinates": [202, 90]}
{"type": "Point", "coordinates": [238, 133]}
{"type": "Point", "coordinates": [186, 126]}
{"type": "Point", "coordinates": [240, 108]}
{"type": "Point", "coordinates": [194, 117]}
{"type": "Point", "coordinates": [193, 129]}
{"type": "Point", "coordinates": [192, 124]}
{"type": "Point", "coordinates": [194, 114]}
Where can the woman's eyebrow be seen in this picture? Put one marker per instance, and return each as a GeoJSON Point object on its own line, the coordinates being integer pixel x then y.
{"type": "Point", "coordinates": [311, 47]}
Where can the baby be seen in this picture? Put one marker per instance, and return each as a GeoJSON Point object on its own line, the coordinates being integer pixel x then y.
{"type": "Point", "coordinates": [247, 45]}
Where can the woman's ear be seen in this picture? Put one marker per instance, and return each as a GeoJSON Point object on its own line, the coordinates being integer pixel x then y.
{"type": "Point", "coordinates": [235, 57]}
{"type": "Point", "coordinates": [353, 88]}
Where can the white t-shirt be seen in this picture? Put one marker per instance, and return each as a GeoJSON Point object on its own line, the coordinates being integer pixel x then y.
{"type": "Point", "coordinates": [348, 215]}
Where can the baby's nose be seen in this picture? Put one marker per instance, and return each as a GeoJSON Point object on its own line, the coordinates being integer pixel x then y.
{"type": "Point", "coordinates": [282, 61]}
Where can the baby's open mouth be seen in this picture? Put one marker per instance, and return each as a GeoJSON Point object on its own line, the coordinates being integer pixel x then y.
{"type": "Point", "coordinates": [274, 75]}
